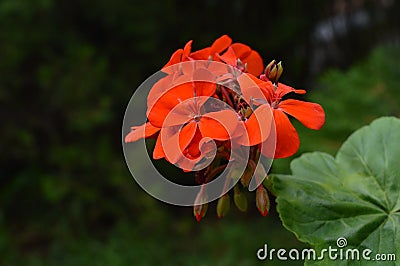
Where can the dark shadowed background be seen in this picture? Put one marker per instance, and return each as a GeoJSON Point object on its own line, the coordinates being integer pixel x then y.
{"type": "Point", "coordinates": [67, 72]}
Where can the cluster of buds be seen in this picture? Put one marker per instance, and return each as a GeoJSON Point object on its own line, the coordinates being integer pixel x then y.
{"type": "Point", "coordinates": [239, 198]}
{"type": "Point", "coordinates": [272, 72]}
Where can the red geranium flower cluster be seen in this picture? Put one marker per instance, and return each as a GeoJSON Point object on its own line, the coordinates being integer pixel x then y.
{"type": "Point", "coordinates": [237, 105]}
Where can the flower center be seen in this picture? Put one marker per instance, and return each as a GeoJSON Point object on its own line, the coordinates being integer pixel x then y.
{"type": "Point", "coordinates": [275, 104]}
{"type": "Point", "coordinates": [197, 118]}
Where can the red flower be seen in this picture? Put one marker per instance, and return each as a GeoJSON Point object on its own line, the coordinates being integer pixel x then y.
{"type": "Point", "coordinates": [210, 104]}
{"type": "Point", "coordinates": [309, 114]}
{"type": "Point", "coordinates": [238, 55]}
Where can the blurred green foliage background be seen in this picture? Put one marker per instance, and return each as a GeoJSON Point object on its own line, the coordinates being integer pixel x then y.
{"type": "Point", "coordinates": [67, 72]}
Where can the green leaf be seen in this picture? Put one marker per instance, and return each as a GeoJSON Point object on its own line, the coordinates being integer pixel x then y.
{"type": "Point", "coordinates": [355, 195]}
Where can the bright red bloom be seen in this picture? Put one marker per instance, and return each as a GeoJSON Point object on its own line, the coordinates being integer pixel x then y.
{"type": "Point", "coordinates": [309, 114]}
{"type": "Point", "coordinates": [237, 54]}
{"type": "Point", "coordinates": [210, 107]}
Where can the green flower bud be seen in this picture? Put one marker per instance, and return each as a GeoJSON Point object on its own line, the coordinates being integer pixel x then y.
{"type": "Point", "coordinates": [240, 199]}
{"type": "Point", "coordinates": [223, 206]}
{"type": "Point", "coordinates": [246, 176]}
{"type": "Point", "coordinates": [273, 71]}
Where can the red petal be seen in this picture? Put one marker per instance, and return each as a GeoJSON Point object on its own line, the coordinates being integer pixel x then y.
{"type": "Point", "coordinates": [254, 62]}
{"type": "Point", "coordinates": [158, 151]}
{"type": "Point", "coordinates": [218, 125]}
{"type": "Point", "coordinates": [159, 88]}
{"type": "Point", "coordinates": [175, 140]}
{"type": "Point", "coordinates": [241, 50]}
{"type": "Point", "coordinates": [285, 89]}
{"type": "Point", "coordinates": [179, 55]}
{"type": "Point", "coordinates": [143, 131]}
{"type": "Point", "coordinates": [219, 70]}
{"type": "Point", "coordinates": [258, 126]}
{"type": "Point", "coordinates": [175, 58]}
{"type": "Point", "coordinates": [256, 89]}
{"type": "Point", "coordinates": [196, 151]}
{"type": "Point", "coordinates": [184, 112]}
{"type": "Point", "coordinates": [287, 140]}
{"type": "Point", "coordinates": [206, 88]}
{"type": "Point", "coordinates": [309, 114]}
{"type": "Point", "coordinates": [186, 135]}
{"type": "Point", "coordinates": [157, 112]}
{"type": "Point", "coordinates": [202, 54]}
{"type": "Point", "coordinates": [192, 154]}
{"type": "Point", "coordinates": [229, 57]}
{"type": "Point", "coordinates": [186, 50]}
{"type": "Point", "coordinates": [193, 149]}
{"type": "Point", "coordinates": [221, 44]}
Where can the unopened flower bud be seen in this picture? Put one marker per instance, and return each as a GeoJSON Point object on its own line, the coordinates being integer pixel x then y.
{"type": "Point", "coordinates": [223, 206]}
{"type": "Point", "coordinates": [262, 200]}
{"type": "Point", "coordinates": [199, 211]}
{"type": "Point", "coordinates": [273, 71]}
{"type": "Point", "coordinates": [246, 176]}
{"type": "Point", "coordinates": [200, 204]}
{"type": "Point", "coordinates": [240, 199]}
